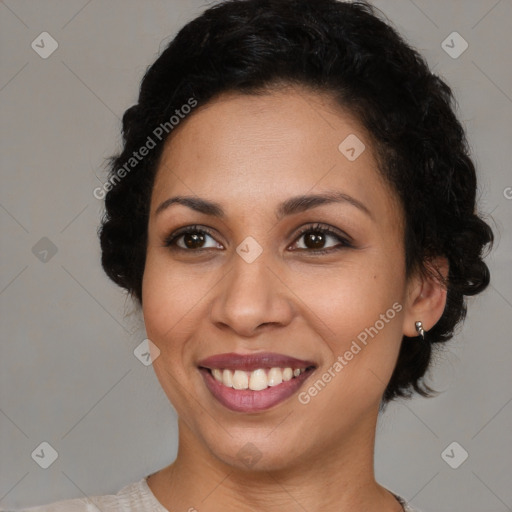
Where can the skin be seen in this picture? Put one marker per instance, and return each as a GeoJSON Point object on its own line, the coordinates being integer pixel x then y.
{"type": "Point", "coordinates": [250, 153]}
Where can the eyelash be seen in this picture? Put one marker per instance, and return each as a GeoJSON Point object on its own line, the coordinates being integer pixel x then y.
{"type": "Point", "coordinates": [170, 241]}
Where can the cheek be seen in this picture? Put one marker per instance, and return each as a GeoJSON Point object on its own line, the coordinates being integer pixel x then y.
{"type": "Point", "coordinates": [170, 301]}
{"type": "Point", "coordinates": [359, 309]}
{"type": "Point", "coordinates": [350, 297]}
{"type": "Point", "coordinates": [172, 298]}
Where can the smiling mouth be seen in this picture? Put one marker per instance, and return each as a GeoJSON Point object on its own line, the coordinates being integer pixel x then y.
{"type": "Point", "coordinates": [247, 400]}
{"type": "Point", "coordinates": [257, 380]}
{"type": "Point", "coordinates": [252, 383]}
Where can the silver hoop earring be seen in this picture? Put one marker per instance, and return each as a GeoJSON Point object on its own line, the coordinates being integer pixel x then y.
{"type": "Point", "coordinates": [420, 330]}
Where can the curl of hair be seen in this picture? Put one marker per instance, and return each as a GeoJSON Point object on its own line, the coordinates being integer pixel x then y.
{"type": "Point", "coordinates": [349, 51]}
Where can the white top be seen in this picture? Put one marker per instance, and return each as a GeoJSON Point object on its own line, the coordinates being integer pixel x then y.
{"type": "Point", "coordinates": [134, 497]}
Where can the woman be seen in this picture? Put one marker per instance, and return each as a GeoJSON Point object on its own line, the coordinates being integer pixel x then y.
{"type": "Point", "coordinates": [294, 211]}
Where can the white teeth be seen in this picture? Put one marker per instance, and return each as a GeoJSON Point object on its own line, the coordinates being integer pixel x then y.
{"type": "Point", "coordinates": [240, 380]}
{"type": "Point", "coordinates": [227, 378]}
{"type": "Point", "coordinates": [275, 376]}
{"type": "Point", "coordinates": [287, 374]}
{"type": "Point", "coordinates": [256, 380]}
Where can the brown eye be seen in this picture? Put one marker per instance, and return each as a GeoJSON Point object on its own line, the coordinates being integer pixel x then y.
{"type": "Point", "coordinates": [320, 239]}
{"type": "Point", "coordinates": [314, 240]}
{"type": "Point", "coordinates": [192, 238]}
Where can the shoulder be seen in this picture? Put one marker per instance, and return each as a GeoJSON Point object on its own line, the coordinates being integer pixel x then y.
{"type": "Point", "coordinates": [74, 505]}
{"type": "Point", "coordinates": [135, 496]}
{"type": "Point", "coordinates": [405, 505]}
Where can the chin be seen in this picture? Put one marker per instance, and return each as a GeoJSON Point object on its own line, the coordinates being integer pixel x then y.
{"type": "Point", "coordinates": [256, 449]}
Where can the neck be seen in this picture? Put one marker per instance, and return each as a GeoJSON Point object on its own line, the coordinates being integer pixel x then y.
{"type": "Point", "coordinates": [337, 477]}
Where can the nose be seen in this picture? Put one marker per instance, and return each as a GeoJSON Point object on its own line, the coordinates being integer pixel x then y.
{"type": "Point", "coordinates": [251, 298]}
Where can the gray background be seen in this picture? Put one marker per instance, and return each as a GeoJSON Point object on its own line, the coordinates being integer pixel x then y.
{"type": "Point", "coordinates": [68, 373]}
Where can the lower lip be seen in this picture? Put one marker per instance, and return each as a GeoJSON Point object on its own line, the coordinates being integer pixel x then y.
{"type": "Point", "coordinates": [246, 400]}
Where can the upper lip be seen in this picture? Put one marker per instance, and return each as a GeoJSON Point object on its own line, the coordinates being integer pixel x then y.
{"type": "Point", "coordinates": [250, 362]}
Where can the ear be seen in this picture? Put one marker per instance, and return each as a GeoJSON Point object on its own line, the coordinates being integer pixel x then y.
{"type": "Point", "coordinates": [426, 297]}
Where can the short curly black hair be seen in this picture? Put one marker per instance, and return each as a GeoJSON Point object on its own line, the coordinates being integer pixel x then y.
{"type": "Point", "coordinates": [348, 50]}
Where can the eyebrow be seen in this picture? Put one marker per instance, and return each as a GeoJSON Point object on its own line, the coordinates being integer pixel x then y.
{"type": "Point", "coordinates": [291, 206]}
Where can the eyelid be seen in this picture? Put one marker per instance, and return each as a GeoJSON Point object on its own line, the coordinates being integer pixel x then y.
{"type": "Point", "coordinates": [344, 239]}
{"type": "Point", "coordinates": [169, 240]}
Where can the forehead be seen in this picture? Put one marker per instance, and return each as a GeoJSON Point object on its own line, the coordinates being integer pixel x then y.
{"type": "Point", "coordinates": [258, 150]}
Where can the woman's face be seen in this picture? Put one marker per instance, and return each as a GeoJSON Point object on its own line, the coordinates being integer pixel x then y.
{"type": "Point", "coordinates": [256, 290]}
